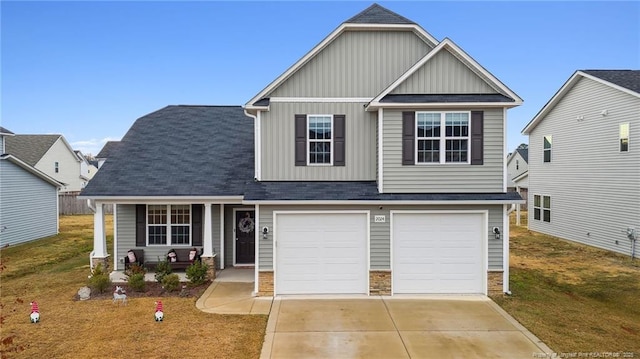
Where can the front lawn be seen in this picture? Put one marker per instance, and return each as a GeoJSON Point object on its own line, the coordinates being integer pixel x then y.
{"type": "Point", "coordinates": [50, 271]}
{"type": "Point", "coordinates": [575, 298]}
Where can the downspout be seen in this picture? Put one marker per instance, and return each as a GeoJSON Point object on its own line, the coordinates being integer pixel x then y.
{"type": "Point", "coordinates": [92, 208]}
{"type": "Point", "coordinates": [507, 231]}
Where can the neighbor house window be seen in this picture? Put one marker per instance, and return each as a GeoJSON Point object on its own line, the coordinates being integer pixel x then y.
{"type": "Point", "coordinates": [56, 167]}
{"type": "Point", "coordinates": [542, 208]}
{"type": "Point", "coordinates": [517, 164]}
{"type": "Point", "coordinates": [169, 224]}
{"type": "Point", "coordinates": [546, 149]}
{"type": "Point", "coordinates": [320, 139]}
{"type": "Point", "coordinates": [624, 137]}
{"type": "Point", "coordinates": [435, 145]}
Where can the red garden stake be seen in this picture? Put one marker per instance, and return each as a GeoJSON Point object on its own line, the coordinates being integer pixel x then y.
{"type": "Point", "coordinates": [35, 313]}
{"type": "Point", "coordinates": [159, 314]}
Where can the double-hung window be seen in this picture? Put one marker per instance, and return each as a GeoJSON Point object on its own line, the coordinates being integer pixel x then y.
{"type": "Point", "coordinates": [624, 137]}
{"type": "Point", "coordinates": [56, 167]}
{"type": "Point", "coordinates": [542, 208]}
{"type": "Point", "coordinates": [320, 139]}
{"type": "Point", "coordinates": [442, 137]}
{"type": "Point", "coordinates": [169, 224]}
{"type": "Point", "coordinates": [546, 149]}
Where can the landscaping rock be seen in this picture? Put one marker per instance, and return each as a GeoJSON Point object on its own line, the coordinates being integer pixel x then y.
{"type": "Point", "coordinates": [84, 293]}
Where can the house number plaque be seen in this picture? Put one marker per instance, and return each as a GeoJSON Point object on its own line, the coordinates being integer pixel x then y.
{"type": "Point", "coordinates": [379, 219]}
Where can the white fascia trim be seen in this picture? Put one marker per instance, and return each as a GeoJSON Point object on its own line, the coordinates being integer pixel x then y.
{"type": "Point", "coordinates": [373, 106]}
{"type": "Point", "coordinates": [457, 52]}
{"type": "Point", "coordinates": [380, 151]}
{"type": "Point", "coordinates": [568, 85]}
{"type": "Point", "coordinates": [321, 99]}
{"type": "Point", "coordinates": [378, 203]}
{"type": "Point", "coordinates": [167, 200]}
{"type": "Point", "coordinates": [520, 177]}
{"type": "Point", "coordinates": [504, 150]}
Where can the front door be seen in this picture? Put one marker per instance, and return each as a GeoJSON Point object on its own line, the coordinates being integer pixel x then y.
{"type": "Point", "coordinates": [245, 237]}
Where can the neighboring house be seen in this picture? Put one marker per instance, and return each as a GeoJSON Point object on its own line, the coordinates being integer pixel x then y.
{"type": "Point", "coordinates": [87, 169]}
{"type": "Point", "coordinates": [52, 155]}
{"type": "Point", "coordinates": [517, 172]}
{"type": "Point", "coordinates": [374, 165]}
{"type": "Point", "coordinates": [584, 168]}
{"type": "Point", "coordinates": [107, 151]}
{"type": "Point", "coordinates": [28, 199]}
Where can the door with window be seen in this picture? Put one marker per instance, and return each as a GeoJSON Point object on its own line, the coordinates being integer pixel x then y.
{"type": "Point", "coordinates": [245, 237]}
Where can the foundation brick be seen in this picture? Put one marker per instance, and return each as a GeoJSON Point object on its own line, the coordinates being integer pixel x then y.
{"type": "Point", "coordinates": [380, 282]}
{"type": "Point", "coordinates": [495, 283]}
{"type": "Point", "coordinates": [106, 263]}
{"type": "Point", "coordinates": [211, 266]}
{"type": "Point", "coordinates": [265, 284]}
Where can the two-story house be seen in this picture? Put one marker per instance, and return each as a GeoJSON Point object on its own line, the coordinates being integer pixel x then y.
{"type": "Point", "coordinates": [584, 168]}
{"type": "Point", "coordinates": [374, 165]}
{"type": "Point", "coordinates": [518, 174]}
{"type": "Point", "coordinates": [52, 155]}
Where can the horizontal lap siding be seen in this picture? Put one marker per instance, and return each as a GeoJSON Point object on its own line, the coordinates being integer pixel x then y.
{"type": "Point", "coordinates": [278, 143]}
{"type": "Point", "coordinates": [355, 64]}
{"type": "Point", "coordinates": [28, 206]}
{"type": "Point", "coordinates": [443, 177]}
{"type": "Point", "coordinates": [594, 188]}
{"type": "Point", "coordinates": [379, 232]}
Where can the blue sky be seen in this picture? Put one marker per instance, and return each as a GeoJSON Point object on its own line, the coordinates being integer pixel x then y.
{"type": "Point", "coordinates": [88, 70]}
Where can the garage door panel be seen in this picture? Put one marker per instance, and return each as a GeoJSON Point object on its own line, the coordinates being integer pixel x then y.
{"type": "Point", "coordinates": [438, 253]}
{"type": "Point", "coordinates": [335, 245]}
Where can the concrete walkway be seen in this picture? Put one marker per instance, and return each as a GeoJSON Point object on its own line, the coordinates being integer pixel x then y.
{"type": "Point", "coordinates": [232, 293]}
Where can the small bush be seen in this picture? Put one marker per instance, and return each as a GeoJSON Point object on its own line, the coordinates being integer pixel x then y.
{"type": "Point", "coordinates": [99, 280]}
{"type": "Point", "coordinates": [162, 269]}
{"type": "Point", "coordinates": [197, 273]}
{"type": "Point", "coordinates": [171, 282]}
{"type": "Point", "coordinates": [134, 269]}
{"type": "Point", "coordinates": [136, 282]}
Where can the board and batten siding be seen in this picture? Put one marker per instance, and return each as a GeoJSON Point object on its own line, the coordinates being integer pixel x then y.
{"type": "Point", "coordinates": [594, 188]}
{"type": "Point", "coordinates": [444, 74]}
{"type": "Point", "coordinates": [355, 64]}
{"type": "Point", "coordinates": [380, 252]}
{"type": "Point", "coordinates": [434, 178]}
{"type": "Point", "coordinates": [28, 206]}
{"type": "Point", "coordinates": [278, 143]}
{"type": "Point", "coordinates": [125, 228]}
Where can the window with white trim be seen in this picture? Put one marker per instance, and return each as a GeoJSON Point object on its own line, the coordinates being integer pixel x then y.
{"type": "Point", "coordinates": [624, 137]}
{"type": "Point", "coordinates": [435, 145]}
{"type": "Point", "coordinates": [56, 167]}
{"type": "Point", "coordinates": [546, 149]}
{"type": "Point", "coordinates": [320, 139]}
{"type": "Point", "coordinates": [542, 208]}
{"type": "Point", "coordinates": [168, 224]}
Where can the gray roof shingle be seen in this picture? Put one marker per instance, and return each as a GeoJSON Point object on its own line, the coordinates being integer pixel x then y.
{"type": "Point", "coordinates": [629, 79]}
{"type": "Point", "coordinates": [433, 98]}
{"type": "Point", "coordinates": [181, 151]}
{"type": "Point", "coordinates": [524, 152]}
{"type": "Point", "coordinates": [5, 131]}
{"type": "Point", "coordinates": [108, 149]}
{"type": "Point", "coordinates": [376, 14]}
{"type": "Point", "coordinates": [29, 148]}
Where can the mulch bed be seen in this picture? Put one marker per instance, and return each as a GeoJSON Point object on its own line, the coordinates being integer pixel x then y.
{"type": "Point", "coordinates": [152, 290]}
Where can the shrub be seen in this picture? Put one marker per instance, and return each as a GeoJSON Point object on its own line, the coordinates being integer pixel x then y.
{"type": "Point", "coordinates": [197, 273]}
{"type": "Point", "coordinates": [136, 282]}
{"type": "Point", "coordinates": [134, 269]}
{"type": "Point", "coordinates": [171, 282]}
{"type": "Point", "coordinates": [162, 269]}
{"type": "Point", "coordinates": [99, 280]}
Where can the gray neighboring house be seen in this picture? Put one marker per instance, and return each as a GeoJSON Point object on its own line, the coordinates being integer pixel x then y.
{"type": "Point", "coordinates": [330, 180]}
{"type": "Point", "coordinates": [584, 161]}
{"type": "Point", "coordinates": [28, 199]}
{"type": "Point", "coordinates": [107, 151]}
{"type": "Point", "coordinates": [518, 173]}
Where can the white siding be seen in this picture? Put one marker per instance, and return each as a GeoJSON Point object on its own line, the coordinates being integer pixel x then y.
{"type": "Point", "coordinates": [28, 206]}
{"type": "Point", "coordinates": [68, 165]}
{"type": "Point", "coordinates": [435, 178]}
{"type": "Point", "coordinates": [516, 165]}
{"type": "Point", "coordinates": [594, 188]}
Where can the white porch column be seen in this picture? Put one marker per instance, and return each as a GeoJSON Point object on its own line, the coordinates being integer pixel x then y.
{"type": "Point", "coordinates": [207, 249]}
{"type": "Point", "coordinates": [99, 235]}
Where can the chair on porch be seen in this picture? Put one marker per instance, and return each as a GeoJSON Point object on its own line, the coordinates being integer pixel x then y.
{"type": "Point", "coordinates": [138, 258]}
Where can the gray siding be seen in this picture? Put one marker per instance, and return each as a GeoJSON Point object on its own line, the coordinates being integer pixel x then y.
{"type": "Point", "coordinates": [355, 64]}
{"type": "Point", "coordinates": [435, 178]}
{"type": "Point", "coordinates": [28, 206]}
{"type": "Point", "coordinates": [444, 74]}
{"type": "Point", "coordinates": [380, 252]}
{"type": "Point", "coordinates": [594, 188]}
{"type": "Point", "coordinates": [277, 131]}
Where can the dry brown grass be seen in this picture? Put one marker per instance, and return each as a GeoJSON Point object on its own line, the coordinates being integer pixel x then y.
{"type": "Point", "coordinates": [575, 298]}
{"type": "Point", "coordinates": [52, 270]}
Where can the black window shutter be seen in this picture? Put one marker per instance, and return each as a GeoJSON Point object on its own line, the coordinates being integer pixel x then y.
{"type": "Point", "coordinates": [477, 140]}
{"type": "Point", "coordinates": [301, 140]}
{"type": "Point", "coordinates": [196, 225]}
{"type": "Point", "coordinates": [408, 137]}
{"type": "Point", "coordinates": [338, 140]}
{"type": "Point", "coordinates": [141, 225]}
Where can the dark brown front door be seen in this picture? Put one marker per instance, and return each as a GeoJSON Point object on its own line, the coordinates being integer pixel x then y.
{"type": "Point", "coordinates": [245, 237]}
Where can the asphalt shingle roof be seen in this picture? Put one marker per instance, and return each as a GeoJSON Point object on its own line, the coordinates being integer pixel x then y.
{"type": "Point", "coordinates": [29, 148]}
{"type": "Point", "coordinates": [629, 79]}
{"type": "Point", "coordinates": [181, 151]}
{"type": "Point", "coordinates": [524, 152]}
{"type": "Point", "coordinates": [4, 130]}
{"type": "Point", "coordinates": [376, 14]}
{"type": "Point", "coordinates": [431, 98]}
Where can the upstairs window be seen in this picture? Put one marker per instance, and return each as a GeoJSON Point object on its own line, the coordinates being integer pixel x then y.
{"type": "Point", "coordinates": [546, 149]}
{"type": "Point", "coordinates": [624, 137]}
{"type": "Point", "coordinates": [169, 224]}
{"type": "Point", "coordinates": [442, 137]}
{"type": "Point", "coordinates": [517, 164]}
{"type": "Point", "coordinates": [320, 139]}
{"type": "Point", "coordinates": [56, 167]}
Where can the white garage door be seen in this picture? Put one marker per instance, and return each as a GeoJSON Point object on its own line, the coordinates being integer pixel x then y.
{"type": "Point", "coordinates": [438, 253]}
{"type": "Point", "coordinates": [321, 253]}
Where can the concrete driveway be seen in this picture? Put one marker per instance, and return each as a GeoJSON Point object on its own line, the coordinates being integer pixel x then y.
{"type": "Point", "coordinates": [396, 327]}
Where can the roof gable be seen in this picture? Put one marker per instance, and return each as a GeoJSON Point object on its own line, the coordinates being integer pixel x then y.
{"type": "Point", "coordinates": [627, 81]}
{"type": "Point", "coordinates": [376, 14]}
{"type": "Point", "coordinates": [108, 149]}
{"type": "Point", "coordinates": [4, 131]}
{"type": "Point", "coordinates": [34, 171]}
{"type": "Point", "coordinates": [464, 58]}
{"type": "Point", "coordinates": [30, 148]}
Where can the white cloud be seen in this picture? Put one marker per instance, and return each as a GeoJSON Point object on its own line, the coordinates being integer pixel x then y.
{"type": "Point", "coordinates": [92, 146]}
